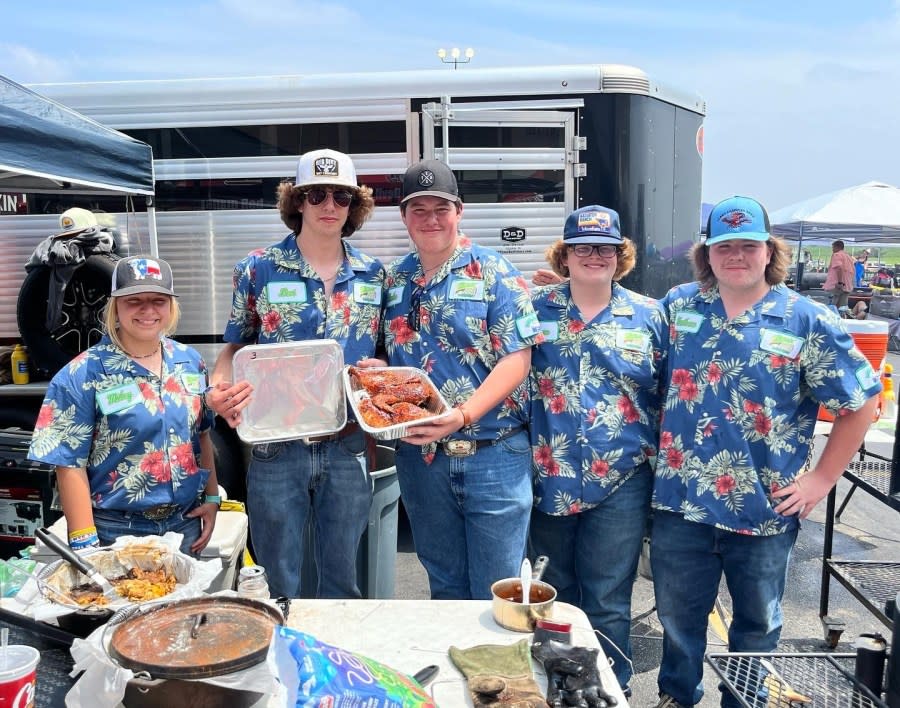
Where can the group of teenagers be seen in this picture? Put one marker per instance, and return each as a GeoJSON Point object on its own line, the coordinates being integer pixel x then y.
{"type": "Point", "coordinates": [584, 416]}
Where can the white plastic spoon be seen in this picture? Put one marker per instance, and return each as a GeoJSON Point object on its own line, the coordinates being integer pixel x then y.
{"type": "Point", "coordinates": [525, 575]}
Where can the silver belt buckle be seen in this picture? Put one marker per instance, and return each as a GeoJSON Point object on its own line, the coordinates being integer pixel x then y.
{"type": "Point", "coordinates": [459, 448]}
{"type": "Point", "coordinates": [160, 512]}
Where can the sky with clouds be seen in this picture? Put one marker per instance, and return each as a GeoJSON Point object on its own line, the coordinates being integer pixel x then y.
{"type": "Point", "coordinates": [801, 96]}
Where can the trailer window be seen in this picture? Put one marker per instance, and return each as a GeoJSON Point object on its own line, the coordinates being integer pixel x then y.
{"type": "Point", "coordinates": [272, 140]}
{"type": "Point", "coordinates": [503, 136]}
{"type": "Point", "coordinates": [493, 186]}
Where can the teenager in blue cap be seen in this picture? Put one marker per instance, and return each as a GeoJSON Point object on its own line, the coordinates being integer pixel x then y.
{"type": "Point", "coordinates": [749, 363]}
{"type": "Point", "coordinates": [596, 385]}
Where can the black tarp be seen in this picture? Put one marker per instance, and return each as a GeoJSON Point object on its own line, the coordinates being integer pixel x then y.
{"type": "Point", "coordinates": [46, 147]}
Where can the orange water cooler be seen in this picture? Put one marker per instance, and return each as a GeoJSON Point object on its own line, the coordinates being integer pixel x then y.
{"type": "Point", "coordinates": [871, 338]}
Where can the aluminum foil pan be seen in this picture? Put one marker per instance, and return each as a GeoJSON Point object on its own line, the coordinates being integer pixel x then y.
{"type": "Point", "coordinates": [115, 563]}
{"type": "Point", "coordinates": [436, 404]}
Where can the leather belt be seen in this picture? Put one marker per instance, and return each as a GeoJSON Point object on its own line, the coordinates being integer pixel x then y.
{"type": "Point", "coordinates": [348, 429]}
{"type": "Point", "coordinates": [467, 448]}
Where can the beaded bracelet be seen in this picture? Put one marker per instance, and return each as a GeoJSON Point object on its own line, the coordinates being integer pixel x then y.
{"type": "Point", "coordinates": [83, 538]}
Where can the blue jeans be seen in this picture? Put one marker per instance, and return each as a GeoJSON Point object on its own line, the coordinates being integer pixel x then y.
{"type": "Point", "coordinates": [593, 561]}
{"type": "Point", "coordinates": [290, 482]}
{"type": "Point", "coordinates": [469, 515]}
{"type": "Point", "coordinates": [112, 524]}
{"type": "Point", "coordinates": [688, 560]}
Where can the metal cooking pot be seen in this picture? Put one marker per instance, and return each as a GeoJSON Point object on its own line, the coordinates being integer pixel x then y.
{"type": "Point", "coordinates": [508, 610]}
{"type": "Point", "coordinates": [178, 642]}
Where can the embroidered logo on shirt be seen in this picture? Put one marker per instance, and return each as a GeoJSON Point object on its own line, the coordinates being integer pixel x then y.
{"type": "Point", "coordinates": [688, 321]}
{"type": "Point", "coordinates": [780, 343]}
{"type": "Point", "coordinates": [367, 293]}
{"type": "Point", "coordinates": [466, 289]}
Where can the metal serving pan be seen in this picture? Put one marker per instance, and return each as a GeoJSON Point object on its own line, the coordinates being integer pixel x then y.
{"type": "Point", "coordinates": [436, 405]}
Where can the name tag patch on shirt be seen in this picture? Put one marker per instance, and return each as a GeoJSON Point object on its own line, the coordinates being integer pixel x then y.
{"type": "Point", "coordinates": [286, 292]}
{"type": "Point", "coordinates": [528, 326]}
{"type": "Point", "coordinates": [866, 376]}
{"type": "Point", "coordinates": [367, 293]}
{"type": "Point", "coordinates": [466, 289]}
{"type": "Point", "coordinates": [780, 343]}
{"type": "Point", "coordinates": [395, 296]}
{"type": "Point", "coordinates": [550, 330]}
{"type": "Point", "coordinates": [119, 398]}
{"type": "Point", "coordinates": [193, 383]}
{"type": "Point", "coordinates": [632, 340]}
{"type": "Point", "coordinates": [688, 321]}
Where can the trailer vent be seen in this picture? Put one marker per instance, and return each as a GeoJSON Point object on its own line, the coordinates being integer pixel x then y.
{"type": "Point", "coordinates": [626, 84]}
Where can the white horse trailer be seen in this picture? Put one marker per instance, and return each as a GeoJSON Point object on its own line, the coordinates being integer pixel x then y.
{"type": "Point", "coordinates": [528, 145]}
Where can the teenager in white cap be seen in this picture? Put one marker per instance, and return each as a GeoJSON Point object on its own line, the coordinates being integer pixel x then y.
{"type": "Point", "coordinates": [126, 426]}
{"type": "Point", "coordinates": [310, 285]}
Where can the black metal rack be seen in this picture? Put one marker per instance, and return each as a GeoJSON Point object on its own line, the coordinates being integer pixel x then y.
{"type": "Point", "coordinates": [873, 583]}
{"type": "Point", "coordinates": [782, 679]}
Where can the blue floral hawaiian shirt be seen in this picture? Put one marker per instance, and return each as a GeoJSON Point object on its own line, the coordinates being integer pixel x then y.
{"type": "Point", "coordinates": [475, 310]}
{"type": "Point", "coordinates": [742, 403]}
{"type": "Point", "coordinates": [278, 297]}
{"type": "Point", "coordinates": [136, 433]}
{"type": "Point", "coordinates": [596, 390]}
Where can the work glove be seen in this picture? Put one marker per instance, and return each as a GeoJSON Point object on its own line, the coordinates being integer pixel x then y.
{"type": "Point", "coordinates": [573, 678]}
{"type": "Point", "coordinates": [499, 675]}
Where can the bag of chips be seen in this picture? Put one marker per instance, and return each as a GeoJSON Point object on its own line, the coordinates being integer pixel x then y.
{"type": "Point", "coordinates": [316, 674]}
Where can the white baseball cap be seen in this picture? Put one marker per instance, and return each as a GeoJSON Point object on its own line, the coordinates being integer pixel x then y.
{"type": "Point", "coordinates": [76, 219]}
{"type": "Point", "coordinates": [325, 167]}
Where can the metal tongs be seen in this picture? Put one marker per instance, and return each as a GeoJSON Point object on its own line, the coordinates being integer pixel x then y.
{"type": "Point", "coordinates": [63, 551]}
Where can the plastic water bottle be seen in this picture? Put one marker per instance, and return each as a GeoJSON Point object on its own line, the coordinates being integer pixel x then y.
{"type": "Point", "coordinates": [253, 583]}
{"type": "Point", "coordinates": [19, 363]}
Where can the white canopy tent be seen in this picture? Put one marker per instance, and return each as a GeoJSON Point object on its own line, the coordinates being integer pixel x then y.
{"type": "Point", "coordinates": [868, 214]}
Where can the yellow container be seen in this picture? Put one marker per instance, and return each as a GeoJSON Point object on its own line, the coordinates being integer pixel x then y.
{"type": "Point", "coordinates": [19, 363]}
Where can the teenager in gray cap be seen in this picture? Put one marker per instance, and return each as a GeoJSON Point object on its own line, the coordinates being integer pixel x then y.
{"type": "Point", "coordinates": [461, 312]}
{"type": "Point", "coordinates": [126, 426]}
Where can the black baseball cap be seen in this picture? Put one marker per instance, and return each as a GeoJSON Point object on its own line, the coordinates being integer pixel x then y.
{"type": "Point", "coordinates": [430, 178]}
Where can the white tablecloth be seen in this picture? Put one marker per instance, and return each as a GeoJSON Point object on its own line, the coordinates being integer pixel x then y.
{"type": "Point", "coordinates": [408, 635]}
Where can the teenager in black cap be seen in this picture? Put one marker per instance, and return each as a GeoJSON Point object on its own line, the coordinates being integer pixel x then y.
{"type": "Point", "coordinates": [462, 312]}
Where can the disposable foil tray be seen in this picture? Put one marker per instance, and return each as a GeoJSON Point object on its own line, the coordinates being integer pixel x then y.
{"type": "Point", "coordinates": [297, 390]}
{"type": "Point", "coordinates": [436, 404]}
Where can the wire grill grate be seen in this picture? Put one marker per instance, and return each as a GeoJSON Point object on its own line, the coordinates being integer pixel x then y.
{"type": "Point", "coordinates": [876, 474]}
{"type": "Point", "coordinates": [877, 581]}
{"type": "Point", "coordinates": [769, 680]}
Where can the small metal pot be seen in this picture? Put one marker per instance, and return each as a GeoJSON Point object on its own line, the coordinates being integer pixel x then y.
{"type": "Point", "coordinates": [510, 613]}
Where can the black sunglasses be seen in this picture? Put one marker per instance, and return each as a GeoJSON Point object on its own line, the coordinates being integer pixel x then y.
{"type": "Point", "coordinates": [413, 317]}
{"type": "Point", "coordinates": [317, 195]}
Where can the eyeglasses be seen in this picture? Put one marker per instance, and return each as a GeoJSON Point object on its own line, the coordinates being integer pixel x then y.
{"type": "Point", "coordinates": [413, 317]}
{"type": "Point", "coordinates": [583, 250]}
{"type": "Point", "coordinates": [317, 195]}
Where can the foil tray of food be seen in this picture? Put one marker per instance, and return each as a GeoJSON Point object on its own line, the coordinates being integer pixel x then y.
{"type": "Point", "coordinates": [140, 572]}
{"type": "Point", "coordinates": [387, 400]}
{"type": "Point", "coordinates": [297, 390]}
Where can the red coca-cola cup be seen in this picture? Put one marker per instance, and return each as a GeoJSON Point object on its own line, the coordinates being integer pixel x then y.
{"type": "Point", "coordinates": [18, 666]}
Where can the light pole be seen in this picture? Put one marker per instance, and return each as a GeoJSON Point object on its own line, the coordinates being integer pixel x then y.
{"type": "Point", "coordinates": [454, 56]}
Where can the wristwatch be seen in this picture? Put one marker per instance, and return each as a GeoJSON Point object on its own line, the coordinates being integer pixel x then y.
{"type": "Point", "coordinates": [213, 499]}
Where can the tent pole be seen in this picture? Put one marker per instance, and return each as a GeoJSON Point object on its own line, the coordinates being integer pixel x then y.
{"type": "Point", "coordinates": [151, 228]}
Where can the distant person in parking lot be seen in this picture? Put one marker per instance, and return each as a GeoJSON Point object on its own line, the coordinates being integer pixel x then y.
{"type": "Point", "coordinates": [749, 363]}
{"type": "Point", "coordinates": [841, 276]}
{"type": "Point", "coordinates": [860, 268]}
